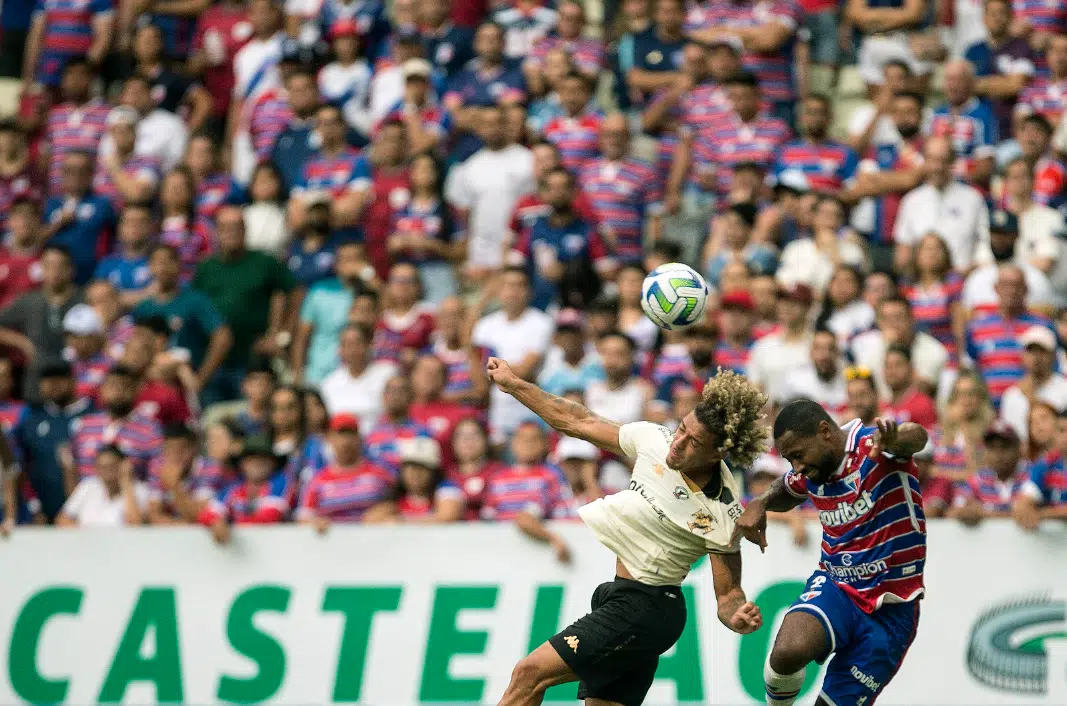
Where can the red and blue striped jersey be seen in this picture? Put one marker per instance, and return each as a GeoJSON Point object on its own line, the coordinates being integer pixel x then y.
{"type": "Point", "coordinates": [874, 528]}
{"type": "Point", "coordinates": [672, 367]}
{"type": "Point", "coordinates": [828, 165]}
{"type": "Point", "coordinates": [1047, 15]}
{"type": "Point", "coordinates": [410, 507]}
{"type": "Point", "coordinates": [267, 119]}
{"type": "Point", "coordinates": [244, 504]}
{"type": "Point", "coordinates": [993, 345]}
{"type": "Point", "coordinates": [382, 443]}
{"type": "Point", "coordinates": [730, 357]}
{"type": "Point", "coordinates": [972, 128]}
{"type": "Point", "coordinates": [346, 171]}
{"type": "Point", "coordinates": [1045, 97]}
{"type": "Point", "coordinates": [144, 167]}
{"type": "Point", "coordinates": [457, 366]}
{"type": "Point", "coordinates": [435, 119]}
{"type": "Point", "coordinates": [992, 493]}
{"type": "Point", "coordinates": [345, 494]}
{"type": "Point", "coordinates": [193, 244]}
{"type": "Point", "coordinates": [1050, 180]}
{"type": "Point", "coordinates": [393, 334]}
{"type": "Point", "coordinates": [539, 490]}
{"type": "Point", "coordinates": [736, 142]}
{"type": "Point", "coordinates": [587, 53]}
{"type": "Point", "coordinates": [932, 309]}
{"type": "Point", "coordinates": [1047, 483]}
{"type": "Point", "coordinates": [139, 438]}
{"type": "Point", "coordinates": [949, 454]}
{"type": "Point", "coordinates": [700, 109]}
{"type": "Point", "coordinates": [475, 85]}
{"type": "Point", "coordinates": [892, 157]}
{"type": "Point", "coordinates": [89, 374]}
{"type": "Point", "coordinates": [775, 70]}
{"type": "Point", "coordinates": [578, 139]}
{"type": "Point", "coordinates": [207, 480]}
{"type": "Point", "coordinates": [621, 194]}
{"type": "Point", "coordinates": [215, 191]}
{"type": "Point", "coordinates": [73, 128]}
{"type": "Point", "coordinates": [68, 32]}
{"type": "Point", "coordinates": [10, 411]}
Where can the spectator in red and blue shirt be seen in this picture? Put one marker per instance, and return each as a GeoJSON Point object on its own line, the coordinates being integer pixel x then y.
{"type": "Point", "coordinates": [993, 490]}
{"type": "Point", "coordinates": [1044, 494]}
{"type": "Point", "coordinates": [84, 332]}
{"type": "Point", "coordinates": [62, 30]}
{"type": "Point", "coordinates": [78, 219]}
{"type": "Point", "coordinates": [10, 409]}
{"type": "Point", "coordinates": [261, 497]}
{"type": "Point", "coordinates": [123, 176]}
{"type": "Point", "coordinates": [735, 320]}
{"type": "Point", "coordinates": [382, 443]}
{"type": "Point", "coordinates": [77, 124]}
{"type": "Point", "coordinates": [828, 166]}
{"type": "Point", "coordinates": [369, 15]}
{"type": "Point", "coordinates": [1047, 95]}
{"type": "Point", "coordinates": [193, 236]}
{"type": "Point", "coordinates": [428, 124]}
{"type": "Point", "coordinates": [1034, 135]}
{"type": "Point", "coordinates": [586, 53]}
{"type": "Point", "coordinates": [127, 270]}
{"type": "Point", "coordinates": [935, 295]}
{"type": "Point", "coordinates": [405, 326]}
{"type": "Point", "coordinates": [967, 121]}
{"type": "Point", "coordinates": [181, 482]}
{"type": "Point", "coordinates": [577, 132]}
{"type": "Point", "coordinates": [424, 495]}
{"type": "Point", "coordinates": [214, 186]}
{"type": "Point", "coordinates": [351, 488]}
{"type": "Point", "coordinates": [992, 340]}
{"type": "Point", "coordinates": [1039, 21]}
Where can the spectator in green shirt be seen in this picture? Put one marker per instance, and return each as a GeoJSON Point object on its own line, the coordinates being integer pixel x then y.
{"type": "Point", "coordinates": [194, 322]}
{"type": "Point", "coordinates": [251, 290]}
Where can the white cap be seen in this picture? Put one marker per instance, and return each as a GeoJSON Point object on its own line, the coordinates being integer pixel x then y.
{"type": "Point", "coordinates": [122, 115]}
{"type": "Point", "coordinates": [1039, 336]}
{"type": "Point", "coordinates": [794, 180]}
{"type": "Point", "coordinates": [421, 450]}
{"type": "Point", "coordinates": [82, 320]}
{"type": "Point", "coordinates": [417, 67]}
{"type": "Point", "coordinates": [570, 448]}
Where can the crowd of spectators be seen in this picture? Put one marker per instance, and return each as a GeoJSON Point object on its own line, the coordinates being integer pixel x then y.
{"type": "Point", "coordinates": [256, 254]}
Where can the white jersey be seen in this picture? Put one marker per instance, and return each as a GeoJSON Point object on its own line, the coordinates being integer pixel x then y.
{"type": "Point", "coordinates": [625, 405]}
{"type": "Point", "coordinates": [662, 523]}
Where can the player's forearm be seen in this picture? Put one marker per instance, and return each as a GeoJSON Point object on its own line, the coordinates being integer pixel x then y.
{"type": "Point", "coordinates": [911, 438]}
{"type": "Point", "coordinates": [777, 498]}
{"type": "Point", "coordinates": [562, 415]}
{"type": "Point", "coordinates": [1053, 512]}
{"type": "Point", "coordinates": [728, 605]}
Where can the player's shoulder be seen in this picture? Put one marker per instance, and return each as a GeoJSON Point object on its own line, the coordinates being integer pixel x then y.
{"type": "Point", "coordinates": [638, 437]}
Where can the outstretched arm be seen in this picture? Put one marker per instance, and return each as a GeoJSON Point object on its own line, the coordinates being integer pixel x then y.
{"type": "Point", "coordinates": [734, 609]}
{"type": "Point", "coordinates": [903, 440]}
{"type": "Point", "coordinates": [566, 417]}
{"type": "Point", "coordinates": [752, 525]}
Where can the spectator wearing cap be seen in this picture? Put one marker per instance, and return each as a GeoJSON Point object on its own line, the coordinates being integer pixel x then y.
{"type": "Point", "coordinates": [61, 31]}
{"type": "Point", "coordinates": [42, 435]}
{"type": "Point", "coordinates": [424, 494]}
{"type": "Point", "coordinates": [968, 121]}
{"type": "Point", "coordinates": [587, 53]}
{"type": "Point", "coordinates": [955, 210]}
{"type": "Point", "coordinates": [1048, 172]}
{"type": "Point", "coordinates": [734, 347]}
{"type": "Point", "coordinates": [651, 61]}
{"type": "Point", "coordinates": [525, 23]}
{"type": "Point", "coordinates": [112, 496]}
{"type": "Point", "coordinates": [290, 137]}
{"type": "Point", "coordinates": [370, 19]}
{"type": "Point", "coordinates": [778, 355]}
{"type": "Point", "coordinates": [351, 488]}
{"type": "Point", "coordinates": [821, 379]}
{"type": "Point", "coordinates": [221, 31]}
{"type": "Point", "coordinates": [77, 218]}
{"type": "Point", "coordinates": [980, 294]}
{"type": "Point", "coordinates": [906, 401]}
{"type": "Point", "coordinates": [1040, 381]}
{"type": "Point", "coordinates": [429, 406]}
{"type": "Point", "coordinates": [20, 250]}
{"type": "Point", "coordinates": [180, 481]}
{"type": "Point", "coordinates": [1003, 64]}
{"type": "Point", "coordinates": [251, 292]}
{"type": "Point", "coordinates": [76, 124]}
{"type": "Point", "coordinates": [257, 78]}
{"type": "Point", "coordinates": [996, 486]}
{"type": "Point", "coordinates": [828, 165]}
{"type": "Point", "coordinates": [624, 192]}
{"type": "Point", "coordinates": [84, 331]}
{"type": "Point", "coordinates": [733, 243]}
{"type": "Point", "coordinates": [345, 81]}
{"type": "Point", "coordinates": [896, 326]}
{"type": "Point", "coordinates": [1044, 493]}
{"type": "Point", "coordinates": [357, 385]}
{"type": "Point", "coordinates": [127, 270]}
{"type": "Point", "coordinates": [260, 497]}
{"type": "Point", "coordinates": [387, 83]}
{"type": "Point", "coordinates": [33, 324]}
{"type": "Point", "coordinates": [159, 134]}
{"type": "Point", "coordinates": [16, 174]}
{"type": "Point", "coordinates": [382, 442]}
{"type": "Point", "coordinates": [580, 462]}
{"type": "Point", "coordinates": [530, 491]}
{"type": "Point", "coordinates": [993, 341]}
{"type": "Point", "coordinates": [832, 243]}
{"type": "Point", "coordinates": [519, 334]}
{"type": "Point", "coordinates": [427, 123]}
{"type": "Point", "coordinates": [1039, 227]}
{"type": "Point", "coordinates": [1045, 94]}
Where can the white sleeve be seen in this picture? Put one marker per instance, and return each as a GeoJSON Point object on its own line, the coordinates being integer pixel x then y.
{"type": "Point", "coordinates": [75, 505]}
{"type": "Point", "coordinates": [638, 436]}
{"type": "Point", "coordinates": [902, 229]}
{"type": "Point", "coordinates": [860, 120]}
{"type": "Point", "coordinates": [456, 191]}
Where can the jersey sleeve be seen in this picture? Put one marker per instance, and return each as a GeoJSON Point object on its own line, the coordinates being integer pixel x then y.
{"type": "Point", "coordinates": [644, 436]}
{"type": "Point", "coordinates": [796, 484]}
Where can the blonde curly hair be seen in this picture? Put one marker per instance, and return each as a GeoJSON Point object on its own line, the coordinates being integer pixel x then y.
{"type": "Point", "coordinates": [731, 409]}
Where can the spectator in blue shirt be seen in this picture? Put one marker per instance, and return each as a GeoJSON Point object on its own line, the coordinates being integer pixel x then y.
{"type": "Point", "coordinates": [298, 142]}
{"type": "Point", "coordinates": [128, 270]}
{"type": "Point", "coordinates": [311, 256]}
{"type": "Point", "coordinates": [78, 219]}
{"type": "Point", "coordinates": [448, 46]}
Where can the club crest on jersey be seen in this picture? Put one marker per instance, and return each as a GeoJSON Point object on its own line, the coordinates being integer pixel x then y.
{"type": "Point", "coordinates": [702, 522]}
{"type": "Point", "coordinates": [681, 493]}
{"type": "Point", "coordinates": [852, 481]}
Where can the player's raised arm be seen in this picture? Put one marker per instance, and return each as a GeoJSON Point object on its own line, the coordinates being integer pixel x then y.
{"type": "Point", "coordinates": [752, 525]}
{"type": "Point", "coordinates": [564, 416]}
{"type": "Point", "coordinates": [904, 440]}
{"type": "Point", "coordinates": [735, 611]}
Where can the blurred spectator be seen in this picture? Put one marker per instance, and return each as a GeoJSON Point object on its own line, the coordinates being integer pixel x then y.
{"type": "Point", "coordinates": [861, 396]}
{"type": "Point", "coordinates": [259, 497]}
{"type": "Point", "coordinates": [61, 33]}
{"type": "Point", "coordinates": [1040, 381]}
{"type": "Point", "coordinates": [587, 53]}
{"type": "Point", "coordinates": [576, 130]}
{"type": "Point", "coordinates": [213, 185]}
{"type": "Point", "coordinates": [127, 270]}
{"type": "Point", "coordinates": [993, 341]}
{"type": "Point", "coordinates": [250, 290]}
{"type": "Point", "coordinates": [934, 295]}
{"type": "Point", "coordinates": [1041, 430]}
{"type": "Point", "coordinates": [390, 191]}
{"type": "Point", "coordinates": [448, 46]}
{"type": "Point", "coordinates": [383, 441]}
{"type": "Point", "coordinates": [952, 209]}
{"type": "Point", "coordinates": [123, 176]}
{"type": "Point", "coordinates": [1044, 493]}
{"type": "Point", "coordinates": [17, 176]}
{"type": "Point", "coordinates": [811, 261]}
{"type": "Point", "coordinates": [76, 123]}
{"type": "Point", "coordinates": [302, 454]}
{"type": "Point", "coordinates": [873, 123]}
{"type": "Point", "coordinates": [405, 326]}
{"type": "Point", "coordinates": [937, 491]}
{"type": "Point", "coordinates": [827, 165]}
{"type": "Point", "coordinates": [464, 381]}
{"type": "Point", "coordinates": [20, 252]}
{"type": "Point", "coordinates": [906, 402]}
{"type": "Point", "coordinates": [734, 348]}
{"type": "Point", "coordinates": [312, 252]}
{"type": "Point", "coordinates": [76, 218]}
{"type": "Point", "coordinates": [967, 414]}
{"type": "Point", "coordinates": [844, 312]}
{"type": "Point", "coordinates": [33, 324]}
{"type": "Point", "coordinates": [253, 411]}
{"type": "Point", "coordinates": [84, 333]}
{"type": "Point", "coordinates": [180, 481]}
{"type": "Point", "coordinates": [579, 461]}
{"type": "Point", "coordinates": [969, 123]}
{"type": "Point", "coordinates": [1003, 63]}
{"type": "Point", "coordinates": [11, 409]}
{"type": "Point", "coordinates": [473, 464]}
{"type": "Point", "coordinates": [525, 22]}
{"type": "Point", "coordinates": [821, 380]}
{"type": "Point", "coordinates": [345, 82]}
{"type": "Point", "coordinates": [162, 380]}
{"type": "Point", "coordinates": [621, 395]}
{"type": "Point", "coordinates": [651, 61]}
{"type": "Point", "coordinates": [1047, 172]}
{"type": "Point", "coordinates": [992, 491]}
{"type": "Point", "coordinates": [1044, 96]}
{"type": "Point", "coordinates": [296, 141]}
{"type": "Point", "coordinates": [427, 124]}
{"type": "Point", "coordinates": [890, 33]}
{"type": "Point", "coordinates": [980, 292]}
{"type": "Point", "coordinates": [519, 334]}
{"type": "Point", "coordinates": [160, 134]}
{"type": "Point", "coordinates": [424, 495]}
{"type": "Point", "coordinates": [315, 413]}
{"type": "Point", "coordinates": [192, 235]}
{"type": "Point", "coordinates": [221, 30]}
{"type": "Point", "coordinates": [429, 407]}
{"type": "Point", "coordinates": [631, 318]}
{"type": "Point", "coordinates": [111, 496]}
{"type": "Point", "coordinates": [265, 217]}
{"type": "Point", "coordinates": [733, 243]}
{"type": "Point", "coordinates": [1038, 227]}
{"type": "Point", "coordinates": [896, 326]}
{"type": "Point", "coordinates": [357, 385]}
{"type": "Point", "coordinates": [777, 355]}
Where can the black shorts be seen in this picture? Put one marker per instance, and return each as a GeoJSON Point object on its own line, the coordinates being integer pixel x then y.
{"type": "Point", "coordinates": [615, 649]}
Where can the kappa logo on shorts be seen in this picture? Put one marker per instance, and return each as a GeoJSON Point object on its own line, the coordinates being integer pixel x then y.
{"type": "Point", "coordinates": [702, 522]}
{"type": "Point", "coordinates": [572, 642]}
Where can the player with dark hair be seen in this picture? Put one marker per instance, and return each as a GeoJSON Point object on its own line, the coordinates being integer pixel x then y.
{"type": "Point", "coordinates": [681, 505]}
{"type": "Point", "coordinates": [862, 603]}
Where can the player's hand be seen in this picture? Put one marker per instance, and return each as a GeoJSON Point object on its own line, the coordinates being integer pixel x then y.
{"type": "Point", "coordinates": [1026, 515]}
{"type": "Point", "coordinates": [746, 619]}
{"type": "Point", "coordinates": [752, 525]}
{"type": "Point", "coordinates": [501, 373]}
{"type": "Point", "coordinates": [321, 524]}
{"type": "Point", "coordinates": [563, 552]}
{"type": "Point", "coordinates": [885, 438]}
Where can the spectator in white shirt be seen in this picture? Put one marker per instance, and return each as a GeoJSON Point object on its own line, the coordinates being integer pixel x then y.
{"type": "Point", "coordinates": [896, 325]}
{"type": "Point", "coordinates": [821, 380]}
{"type": "Point", "coordinates": [779, 355]}
{"type": "Point", "coordinates": [954, 210]}
{"type": "Point", "coordinates": [1040, 382]}
{"type": "Point", "coordinates": [160, 134]}
{"type": "Point", "coordinates": [387, 85]}
{"type": "Point", "coordinates": [1038, 226]}
{"type": "Point", "coordinates": [110, 498]}
{"type": "Point", "coordinates": [519, 334]}
{"type": "Point", "coordinates": [485, 190]}
{"type": "Point", "coordinates": [979, 290]}
{"type": "Point", "coordinates": [358, 383]}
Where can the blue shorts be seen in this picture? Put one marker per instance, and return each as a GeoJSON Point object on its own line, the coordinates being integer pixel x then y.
{"type": "Point", "coordinates": [867, 649]}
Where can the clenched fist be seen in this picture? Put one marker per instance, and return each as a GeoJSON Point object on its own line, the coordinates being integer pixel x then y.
{"type": "Point", "coordinates": [501, 373]}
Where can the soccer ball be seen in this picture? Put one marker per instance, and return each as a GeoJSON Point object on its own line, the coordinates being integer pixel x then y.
{"type": "Point", "coordinates": [674, 296]}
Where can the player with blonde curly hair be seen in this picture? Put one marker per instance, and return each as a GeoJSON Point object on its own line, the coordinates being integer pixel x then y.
{"type": "Point", "coordinates": [681, 504]}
